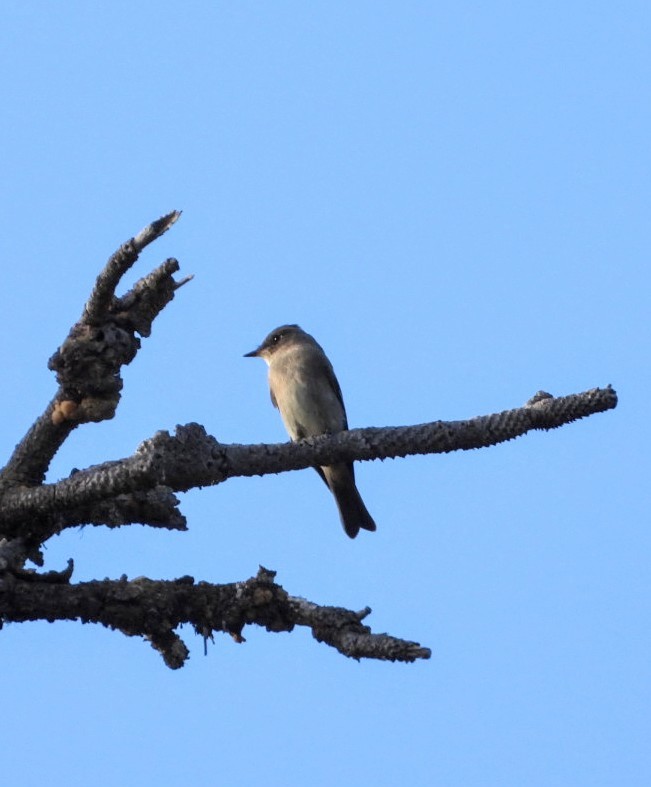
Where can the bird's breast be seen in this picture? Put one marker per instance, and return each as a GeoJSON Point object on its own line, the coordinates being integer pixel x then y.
{"type": "Point", "coordinates": [306, 400]}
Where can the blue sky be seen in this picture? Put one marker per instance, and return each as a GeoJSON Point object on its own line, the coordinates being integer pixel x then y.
{"type": "Point", "coordinates": [454, 199]}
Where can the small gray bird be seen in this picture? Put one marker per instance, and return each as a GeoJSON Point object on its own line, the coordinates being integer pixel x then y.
{"type": "Point", "coordinates": [304, 388]}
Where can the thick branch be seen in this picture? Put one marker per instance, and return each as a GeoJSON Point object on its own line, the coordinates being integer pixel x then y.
{"type": "Point", "coordinates": [155, 507]}
{"type": "Point", "coordinates": [154, 609]}
{"type": "Point", "coordinates": [192, 458]}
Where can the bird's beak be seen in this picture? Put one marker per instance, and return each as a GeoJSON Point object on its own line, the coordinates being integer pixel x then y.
{"type": "Point", "coordinates": [252, 354]}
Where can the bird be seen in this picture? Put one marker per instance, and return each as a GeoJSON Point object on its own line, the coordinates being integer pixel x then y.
{"type": "Point", "coordinates": [305, 390]}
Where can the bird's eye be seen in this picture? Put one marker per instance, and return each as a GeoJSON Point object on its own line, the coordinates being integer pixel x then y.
{"type": "Point", "coordinates": [276, 338]}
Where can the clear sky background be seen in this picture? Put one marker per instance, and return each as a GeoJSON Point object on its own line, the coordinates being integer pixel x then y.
{"type": "Point", "coordinates": [453, 197]}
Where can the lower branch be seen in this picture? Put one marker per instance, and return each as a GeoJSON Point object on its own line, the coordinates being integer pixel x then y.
{"type": "Point", "coordinates": [343, 630]}
{"type": "Point", "coordinates": [154, 609]}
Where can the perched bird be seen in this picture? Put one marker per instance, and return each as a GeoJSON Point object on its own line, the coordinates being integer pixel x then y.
{"type": "Point", "coordinates": [304, 388]}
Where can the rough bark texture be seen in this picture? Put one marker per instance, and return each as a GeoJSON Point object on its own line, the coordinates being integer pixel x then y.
{"type": "Point", "coordinates": [154, 609]}
{"type": "Point", "coordinates": [140, 488]}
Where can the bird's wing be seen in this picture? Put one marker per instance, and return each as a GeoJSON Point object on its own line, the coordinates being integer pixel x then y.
{"type": "Point", "coordinates": [334, 384]}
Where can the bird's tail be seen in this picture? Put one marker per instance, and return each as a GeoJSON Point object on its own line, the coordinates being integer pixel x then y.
{"type": "Point", "coordinates": [352, 511]}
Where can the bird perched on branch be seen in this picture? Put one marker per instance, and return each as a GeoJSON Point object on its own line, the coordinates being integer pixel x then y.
{"type": "Point", "coordinates": [305, 390]}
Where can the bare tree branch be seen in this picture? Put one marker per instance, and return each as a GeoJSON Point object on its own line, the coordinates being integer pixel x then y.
{"type": "Point", "coordinates": [140, 488]}
{"type": "Point", "coordinates": [89, 361]}
{"type": "Point", "coordinates": [100, 303]}
{"type": "Point", "coordinates": [156, 507]}
{"type": "Point", "coordinates": [154, 609]}
{"type": "Point", "coordinates": [193, 458]}
{"type": "Point", "coordinates": [343, 630]}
